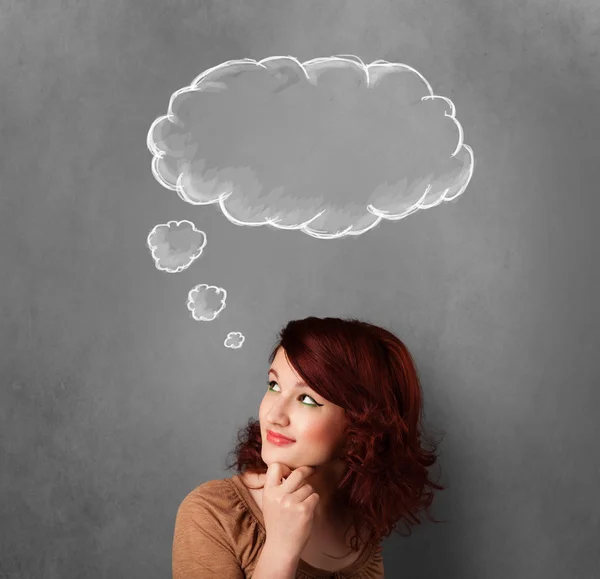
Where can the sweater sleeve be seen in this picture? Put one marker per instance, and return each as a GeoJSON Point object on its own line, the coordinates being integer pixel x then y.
{"type": "Point", "coordinates": [201, 547]}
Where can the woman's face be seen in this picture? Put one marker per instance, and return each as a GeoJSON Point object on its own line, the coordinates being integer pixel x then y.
{"type": "Point", "coordinates": [290, 410]}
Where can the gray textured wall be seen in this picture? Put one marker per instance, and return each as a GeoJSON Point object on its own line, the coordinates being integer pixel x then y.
{"type": "Point", "coordinates": [114, 403]}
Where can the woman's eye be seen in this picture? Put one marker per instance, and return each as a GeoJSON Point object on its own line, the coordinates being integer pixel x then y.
{"type": "Point", "coordinates": [301, 396]}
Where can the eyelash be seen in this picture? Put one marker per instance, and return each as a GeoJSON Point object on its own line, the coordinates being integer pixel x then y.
{"type": "Point", "coordinates": [269, 382]}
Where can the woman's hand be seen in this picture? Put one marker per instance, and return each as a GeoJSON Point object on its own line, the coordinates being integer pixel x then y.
{"type": "Point", "coordinates": [288, 507]}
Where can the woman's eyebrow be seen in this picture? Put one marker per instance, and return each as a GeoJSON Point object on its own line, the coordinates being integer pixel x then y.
{"type": "Point", "coordinates": [297, 384]}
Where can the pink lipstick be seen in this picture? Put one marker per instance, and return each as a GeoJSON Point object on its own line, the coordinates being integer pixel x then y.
{"type": "Point", "coordinates": [279, 440]}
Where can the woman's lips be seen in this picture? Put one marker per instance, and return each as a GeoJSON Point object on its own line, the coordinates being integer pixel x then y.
{"type": "Point", "coordinates": [278, 440]}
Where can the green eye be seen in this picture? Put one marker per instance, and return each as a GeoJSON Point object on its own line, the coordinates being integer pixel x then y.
{"type": "Point", "coordinates": [270, 388]}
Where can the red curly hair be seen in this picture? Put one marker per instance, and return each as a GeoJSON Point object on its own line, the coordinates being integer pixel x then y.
{"type": "Point", "coordinates": [368, 371]}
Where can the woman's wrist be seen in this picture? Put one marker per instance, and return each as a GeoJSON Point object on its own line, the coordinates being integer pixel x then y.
{"type": "Point", "coordinates": [276, 563]}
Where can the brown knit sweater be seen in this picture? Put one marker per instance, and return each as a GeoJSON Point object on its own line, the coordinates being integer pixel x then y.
{"type": "Point", "coordinates": [220, 533]}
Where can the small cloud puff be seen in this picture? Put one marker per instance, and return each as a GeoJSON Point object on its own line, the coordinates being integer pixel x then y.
{"type": "Point", "coordinates": [206, 302]}
{"type": "Point", "coordinates": [175, 245]}
{"type": "Point", "coordinates": [234, 340]}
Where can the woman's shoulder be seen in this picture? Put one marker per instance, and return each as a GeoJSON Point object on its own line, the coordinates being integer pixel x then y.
{"type": "Point", "coordinates": [214, 528]}
{"type": "Point", "coordinates": [217, 496]}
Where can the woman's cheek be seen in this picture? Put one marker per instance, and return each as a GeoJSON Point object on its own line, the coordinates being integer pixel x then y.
{"type": "Point", "coordinates": [318, 435]}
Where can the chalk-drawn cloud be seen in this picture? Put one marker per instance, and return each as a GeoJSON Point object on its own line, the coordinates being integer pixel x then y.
{"type": "Point", "coordinates": [175, 245]}
{"type": "Point", "coordinates": [330, 146]}
{"type": "Point", "coordinates": [206, 302]}
{"type": "Point", "coordinates": [234, 340]}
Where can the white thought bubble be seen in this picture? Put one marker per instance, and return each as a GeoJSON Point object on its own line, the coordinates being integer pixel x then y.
{"type": "Point", "coordinates": [330, 146]}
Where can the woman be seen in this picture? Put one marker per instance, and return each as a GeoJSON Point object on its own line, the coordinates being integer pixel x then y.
{"type": "Point", "coordinates": [347, 395]}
